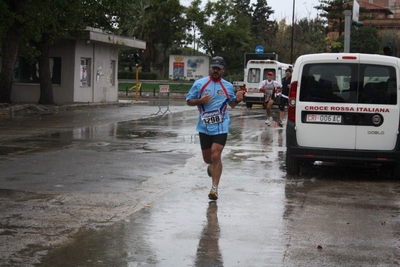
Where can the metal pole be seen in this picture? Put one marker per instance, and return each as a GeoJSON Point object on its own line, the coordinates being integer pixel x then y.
{"type": "Point", "coordinates": [291, 42]}
{"type": "Point", "coordinates": [347, 24]}
{"type": "Point", "coordinates": [137, 82]}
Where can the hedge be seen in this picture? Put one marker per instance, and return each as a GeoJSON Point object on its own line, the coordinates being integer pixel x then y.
{"type": "Point", "coordinates": [131, 75]}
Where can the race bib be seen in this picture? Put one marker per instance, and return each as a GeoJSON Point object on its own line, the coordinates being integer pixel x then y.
{"type": "Point", "coordinates": [268, 93]}
{"type": "Point", "coordinates": [211, 117]}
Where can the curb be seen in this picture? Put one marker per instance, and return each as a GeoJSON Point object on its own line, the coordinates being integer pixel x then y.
{"type": "Point", "coordinates": [11, 109]}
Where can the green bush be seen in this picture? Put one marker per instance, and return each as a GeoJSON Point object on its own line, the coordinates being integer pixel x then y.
{"type": "Point", "coordinates": [235, 77]}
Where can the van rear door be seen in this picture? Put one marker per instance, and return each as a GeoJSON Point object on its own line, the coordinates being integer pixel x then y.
{"type": "Point", "coordinates": [326, 95]}
{"type": "Point", "coordinates": [378, 106]}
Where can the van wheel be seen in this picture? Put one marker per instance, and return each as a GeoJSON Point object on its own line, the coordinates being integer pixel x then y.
{"type": "Point", "coordinates": [249, 105]}
{"type": "Point", "coordinates": [396, 171]}
{"type": "Point", "coordinates": [292, 166]}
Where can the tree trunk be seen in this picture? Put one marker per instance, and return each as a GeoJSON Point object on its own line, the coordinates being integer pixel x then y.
{"type": "Point", "coordinates": [46, 87]}
{"type": "Point", "coordinates": [9, 46]}
{"type": "Point", "coordinates": [9, 57]}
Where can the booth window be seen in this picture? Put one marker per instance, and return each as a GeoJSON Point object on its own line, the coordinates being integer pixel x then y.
{"type": "Point", "coordinates": [28, 72]}
{"type": "Point", "coordinates": [111, 73]}
{"type": "Point", "coordinates": [85, 72]}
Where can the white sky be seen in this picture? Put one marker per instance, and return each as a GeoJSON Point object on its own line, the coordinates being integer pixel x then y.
{"type": "Point", "coordinates": [284, 8]}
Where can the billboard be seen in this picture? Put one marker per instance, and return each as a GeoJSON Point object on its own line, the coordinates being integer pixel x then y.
{"type": "Point", "coordinates": [188, 67]}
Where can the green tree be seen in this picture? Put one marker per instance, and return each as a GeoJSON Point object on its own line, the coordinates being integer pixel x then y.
{"type": "Point", "coordinates": [12, 21]}
{"type": "Point", "coordinates": [135, 23]}
{"type": "Point", "coordinates": [228, 35]}
{"type": "Point", "coordinates": [167, 27]}
{"type": "Point", "coordinates": [282, 41]}
{"type": "Point", "coordinates": [333, 13]}
{"type": "Point", "coordinates": [263, 29]}
{"type": "Point", "coordinates": [390, 36]}
{"type": "Point", "coordinates": [243, 7]}
{"type": "Point", "coordinates": [195, 21]}
{"type": "Point", "coordinates": [358, 43]}
{"type": "Point", "coordinates": [310, 36]}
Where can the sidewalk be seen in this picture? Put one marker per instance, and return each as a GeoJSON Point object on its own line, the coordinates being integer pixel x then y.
{"type": "Point", "coordinates": [13, 109]}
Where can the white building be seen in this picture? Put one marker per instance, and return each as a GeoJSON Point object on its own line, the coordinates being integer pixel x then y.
{"type": "Point", "coordinates": [84, 69]}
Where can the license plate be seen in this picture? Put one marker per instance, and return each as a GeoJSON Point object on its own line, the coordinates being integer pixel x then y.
{"type": "Point", "coordinates": [324, 118]}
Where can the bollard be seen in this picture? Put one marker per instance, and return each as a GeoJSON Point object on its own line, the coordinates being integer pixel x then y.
{"type": "Point", "coordinates": [126, 90]}
{"type": "Point", "coordinates": [140, 91]}
{"type": "Point", "coordinates": [154, 91]}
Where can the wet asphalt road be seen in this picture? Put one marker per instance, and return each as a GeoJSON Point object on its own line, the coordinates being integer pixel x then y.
{"type": "Point", "coordinates": [118, 186]}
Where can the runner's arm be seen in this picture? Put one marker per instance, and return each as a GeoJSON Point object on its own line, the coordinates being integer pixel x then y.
{"type": "Point", "coordinates": [238, 99]}
{"type": "Point", "coordinates": [199, 101]}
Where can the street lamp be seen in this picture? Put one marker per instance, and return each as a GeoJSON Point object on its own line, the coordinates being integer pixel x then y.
{"type": "Point", "coordinates": [291, 42]}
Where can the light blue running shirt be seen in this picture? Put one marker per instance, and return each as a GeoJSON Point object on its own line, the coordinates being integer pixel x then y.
{"type": "Point", "coordinates": [213, 116]}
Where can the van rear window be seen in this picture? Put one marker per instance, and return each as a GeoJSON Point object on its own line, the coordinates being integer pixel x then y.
{"type": "Point", "coordinates": [256, 76]}
{"type": "Point", "coordinates": [348, 83]}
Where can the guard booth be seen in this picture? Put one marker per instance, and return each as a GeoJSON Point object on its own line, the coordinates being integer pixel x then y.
{"type": "Point", "coordinates": [83, 69]}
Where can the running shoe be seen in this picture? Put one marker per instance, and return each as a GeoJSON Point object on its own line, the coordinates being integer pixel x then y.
{"type": "Point", "coordinates": [280, 123]}
{"type": "Point", "coordinates": [213, 195]}
{"type": "Point", "coordinates": [269, 121]}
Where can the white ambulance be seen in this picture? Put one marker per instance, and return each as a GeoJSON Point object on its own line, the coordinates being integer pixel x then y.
{"type": "Point", "coordinates": [255, 72]}
{"type": "Point", "coordinates": [344, 107]}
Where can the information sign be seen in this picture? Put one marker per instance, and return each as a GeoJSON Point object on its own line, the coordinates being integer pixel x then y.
{"type": "Point", "coordinates": [164, 88]}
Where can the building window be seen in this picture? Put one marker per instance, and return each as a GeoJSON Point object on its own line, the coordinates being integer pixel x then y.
{"type": "Point", "coordinates": [111, 73]}
{"type": "Point", "coordinates": [28, 72]}
{"type": "Point", "coordinates": [85, 72]}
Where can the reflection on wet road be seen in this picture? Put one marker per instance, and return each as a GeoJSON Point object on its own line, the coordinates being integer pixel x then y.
{"type": "Point", "coordinates": [208, 253]}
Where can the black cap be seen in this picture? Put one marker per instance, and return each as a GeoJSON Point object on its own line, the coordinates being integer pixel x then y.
{"type": "Point", "coordinates": [217, 62]}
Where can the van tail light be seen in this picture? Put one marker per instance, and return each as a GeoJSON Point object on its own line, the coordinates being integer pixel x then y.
{"type": "Point", "coordinates": [244, 89]}
{"type": "Point", "coordinates": [292, 101]}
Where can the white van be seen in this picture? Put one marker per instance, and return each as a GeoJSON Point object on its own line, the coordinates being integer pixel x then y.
{"type": "Point", "coordinates": [255, 72]}
{"type": "Point", "coordinates": [344, 107]}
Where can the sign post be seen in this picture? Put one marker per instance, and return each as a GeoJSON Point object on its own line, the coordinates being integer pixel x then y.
{"type": "Point", "coordinates": [163, 89]}
{"type": "Point", "coordinates": [347, 23]}
{"type": "Point", "coordinates": [137, 81]}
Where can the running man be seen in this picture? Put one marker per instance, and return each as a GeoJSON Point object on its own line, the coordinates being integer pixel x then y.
{"type": "Point", "coordinates": [212, 95]}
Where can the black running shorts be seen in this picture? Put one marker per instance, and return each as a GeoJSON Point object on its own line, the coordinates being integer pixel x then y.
{"type": "Point", "coordinates": [206, 140]}
{"type": "Point", "coordinates": [283, 102]}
